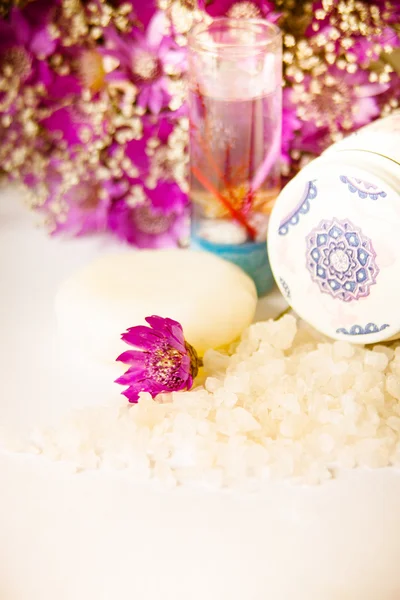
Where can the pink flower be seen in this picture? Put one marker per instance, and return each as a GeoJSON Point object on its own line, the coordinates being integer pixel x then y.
{"type": "Point", "coordinates": [147, 59]}
{"type": "Point", "coordinates": [154, 128]}
{"type": "Point", "coordinates": [30, 28]}
{"type": "Point", "coordinates": [81, 208]}
{"type": "Point", "coordinates": [368, 49]}
{"type": "Point", "coordinates": [154, 218]}
{"type": "Point", "coordinates": [240, 8]}
{"type": "Point", "coordinates": [332, 104]}
{"type": "Point", "coordinates": [76, 205]}
{"type": "Point", "coordinates": [161, 362]}
{"type": "Point", "coordinates": [25, 44]}
{"type": "Point", "coordinates": [153, 213]}
{"type": "Point", "coordinates": [68, 124]}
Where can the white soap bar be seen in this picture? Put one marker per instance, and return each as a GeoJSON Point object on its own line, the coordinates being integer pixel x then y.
{"type": "Point", "coordinates": [213, 299]}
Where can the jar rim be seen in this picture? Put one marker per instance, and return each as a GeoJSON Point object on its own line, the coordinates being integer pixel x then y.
{"type": "Point", "coordinates": [199, 41]}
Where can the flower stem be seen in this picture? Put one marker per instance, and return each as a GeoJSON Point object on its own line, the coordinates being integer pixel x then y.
{"type": "Point", "coordinates": [223, 177]}
{"type": "Point", "coordinates": [234, 213]}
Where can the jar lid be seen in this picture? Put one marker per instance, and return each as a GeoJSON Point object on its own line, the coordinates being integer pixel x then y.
{"type": "Point", "coordinates": [334, 249]}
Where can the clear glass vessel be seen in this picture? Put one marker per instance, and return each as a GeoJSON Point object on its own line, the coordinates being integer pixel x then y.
{"type": "Point", "coordinates": [235, 109]}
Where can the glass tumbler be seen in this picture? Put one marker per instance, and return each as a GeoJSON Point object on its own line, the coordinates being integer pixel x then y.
{"type": "Point", "coordinates": [235, 112]}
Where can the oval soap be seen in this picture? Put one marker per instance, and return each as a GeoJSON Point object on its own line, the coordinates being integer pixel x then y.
{"type": "Point", "coordinates": [213, 299]}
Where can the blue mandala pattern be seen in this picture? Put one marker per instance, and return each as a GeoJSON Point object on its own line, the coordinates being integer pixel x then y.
{"type": "Point", "coordinates": [301, 208]}
{"type": "Point", "coordinates": [360, 330]}
{"type": "Point", "coordinates": [341, 260]}
{"type": "Point", "coordinates": [363, 188]}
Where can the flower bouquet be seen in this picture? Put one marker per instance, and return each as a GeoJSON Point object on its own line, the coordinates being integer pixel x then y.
{"type": "Point", "coordinates": [93, 118]}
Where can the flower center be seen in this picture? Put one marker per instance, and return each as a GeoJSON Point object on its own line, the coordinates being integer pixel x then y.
{"type": "Point", "coordinates": [146, 66]}
{"type": "Point", "coordinates": [162, 364]}
{"type": "Point", "coordinates": [244, 10]}
{"type": "Point", "coordinates": [86, 196]}
{"type": "Point", "coordinates": [328, 101]}
{"type": "Point", "coordinates": [189, 4]}
{"type": "Point", "coordinates": [151, 223]}
{"type": "Point", "coordinates": [16, 62]}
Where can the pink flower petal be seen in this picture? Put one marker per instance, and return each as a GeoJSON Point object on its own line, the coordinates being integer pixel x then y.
{"type": "Point", "coordinates": [130, 357]}
{"type": "Point", "coordinates": [42, 44]}
{"type": "Point", "coordinates": [156, 99]}
{"type": "Point", "coordinates": [20, 26]}
{"type": "Point", "coordinates": [156, 29]}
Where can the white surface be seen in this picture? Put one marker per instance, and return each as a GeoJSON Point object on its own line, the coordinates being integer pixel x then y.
{"type": "Point", "coordinates": [31, 268]}
{"type": "Point", "coordinates": [97, 536]}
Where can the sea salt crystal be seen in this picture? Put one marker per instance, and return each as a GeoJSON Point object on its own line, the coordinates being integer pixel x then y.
{"type": "Point", "coordinates": [376, 360]}
{"type": "Point", "coordinates": [394, 423]}
{"type": "Point", "coordinates": [393, 386]}
{"type": "Point", "coordinates": [287, 428]}
{"type": "Point", "coordinates": [213, 384]}
{"type": "Point", "coordinates": [237, 384]}
{"type": "Point", "coordinates": [244, 420]}
{"type": "Point", "coordinates": [271, 369]}
{"type": "Point", "coordinates": [346, 458]}
{"type": "Point", "coordinates": [214, 477]}
{"type": "Point", "coordinates": [389, 352]}
{"type": "Point", "coordinates": [342, 350]}
{"type": "Point", "coordinates": [290, 403]}
{"type": "Point", "coordinates": [281, 333]}
{"type": "Point", "coordinates": [326, 442]}
{"type": "Point", "coordinates": [228, 399]}
{"type": "Point", "coordinates": [395, 458]}
{"type": "Point", "coordinates": [215, 361]}
{"type": "Point", "coordinates": [283, 465]}
{"type": "Point", "coordinates": [351, 407]}
{"type": "Point", "coordinates": [371, 453]}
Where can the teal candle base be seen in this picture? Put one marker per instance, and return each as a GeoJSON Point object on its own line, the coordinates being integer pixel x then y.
{"type": "Point", "coordinates": [252, 257]}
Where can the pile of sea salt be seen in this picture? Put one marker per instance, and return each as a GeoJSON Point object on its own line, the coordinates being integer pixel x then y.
{"type": "Point", "coordinates": [284, 403]}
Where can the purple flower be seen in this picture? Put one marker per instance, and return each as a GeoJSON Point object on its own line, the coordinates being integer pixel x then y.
{"type": "Point", "coordinates": [29, 28]}
{"type": "Point", "coordinates": [148, 218]}
{"type": "Point", "coordinates": [240, 8]}
{"type": "Point", "coordinates": [78, 208]}
{"type": "Point", "coordinates": [25, 42]}
{"type": "Point", "coordinates": [139, 150]}
{"type": "Point", "coordinates": [87, 205]}
{"type": "Point", "coordinates": [366, 50]}
{"type": "Point", "coordinates": [147, 60]}
{"type": "Point", "coordinates": [161, 362]}
{"type": "Point", "coordinates": [333, 104]}
{"type": "Point", "coordinates": [68, 124]}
